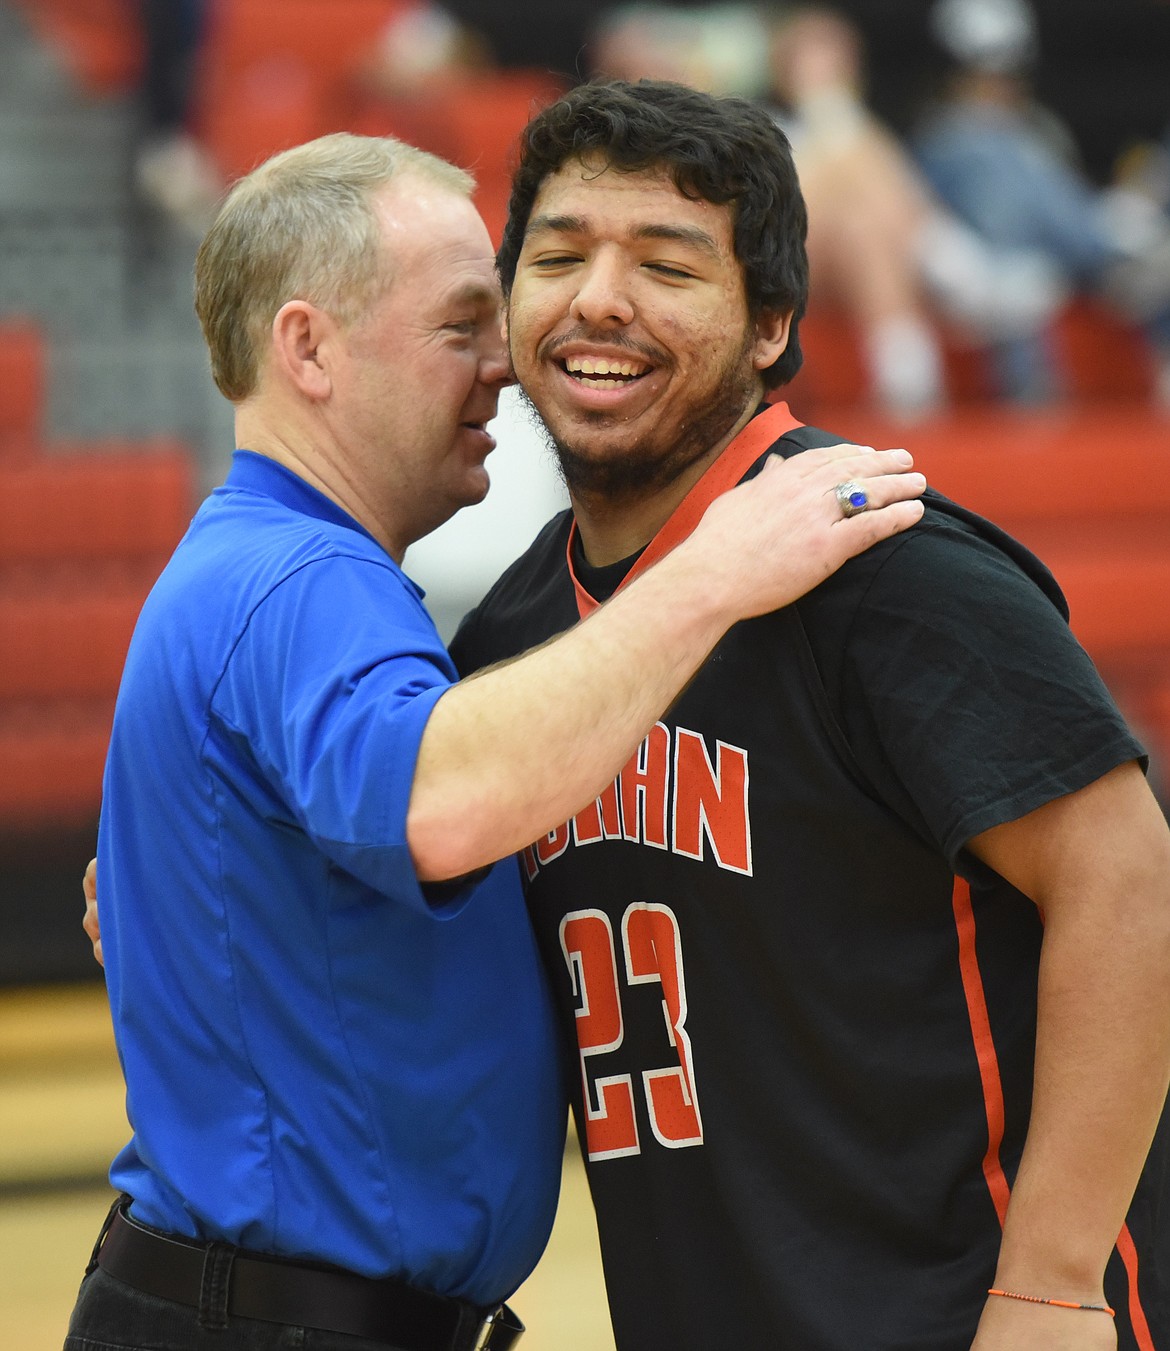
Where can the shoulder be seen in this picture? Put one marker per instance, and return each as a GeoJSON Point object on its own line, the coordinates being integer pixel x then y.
{"type": "Point", "coordinates": [952, 560]}
{"type": "Point", "coordinates": [953, 554]}
{"type": "Point", "coordinates": [948, 661]}
{"type": "Point", "coordinates": [288, 583]}
{"type": "Point", "coordinates": [260, 536]}
{"type": "Point", "coordinates": [272, 544]}
{"type": "Point", "coordinates": [531, 602]}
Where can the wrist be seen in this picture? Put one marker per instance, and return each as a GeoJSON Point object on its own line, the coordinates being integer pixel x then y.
{"type": "Point", "coordinates": [1054, 1242]}
{"type": "Point", "coordinates": [694, 589]}
{"type": "Point", "coordinates": [1081, 1306]}
{"type": "Point", "coordinates": [1067, 1279]}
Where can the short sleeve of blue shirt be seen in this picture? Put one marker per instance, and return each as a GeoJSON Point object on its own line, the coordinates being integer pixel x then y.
{"type": "Point", "coordinates": [329, 689]}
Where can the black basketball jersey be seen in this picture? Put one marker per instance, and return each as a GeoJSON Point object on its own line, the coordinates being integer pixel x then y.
{"type": "Point", "coordinates": [802, 1018]}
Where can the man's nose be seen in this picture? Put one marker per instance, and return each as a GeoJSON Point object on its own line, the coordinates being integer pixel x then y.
{"type": "Point", "coordinates": [602, 298]}
{"type": "Point", "coordinates": [495, 366]}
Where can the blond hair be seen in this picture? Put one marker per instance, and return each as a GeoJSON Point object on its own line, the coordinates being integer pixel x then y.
{"type": "Point", "coordinates": [301, 226]}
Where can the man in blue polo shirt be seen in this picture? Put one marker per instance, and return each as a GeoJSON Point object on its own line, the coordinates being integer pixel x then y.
{"type": "Point", "coordinates": [341, 1074]}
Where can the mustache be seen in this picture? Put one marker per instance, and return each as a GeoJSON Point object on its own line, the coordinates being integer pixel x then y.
{"type": "Point", "coordinates": [550, 349]}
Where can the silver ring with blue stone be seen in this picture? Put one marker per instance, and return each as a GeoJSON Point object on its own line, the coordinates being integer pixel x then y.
{"type": "Point", "coordinates": [851, 498]}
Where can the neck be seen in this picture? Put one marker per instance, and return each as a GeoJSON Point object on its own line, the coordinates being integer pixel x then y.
{"type": "Point", "coordinates": [309, 457]}
{"type": "Point", "coordinates": [614, 527]}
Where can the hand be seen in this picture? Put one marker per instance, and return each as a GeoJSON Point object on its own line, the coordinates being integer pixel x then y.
{"type": "Point", "coordinates": [769, 541]}
{"type": "Point", "coordinates": [90, 922]}
{"type": "Point", "coordinates": [1013, 1325]}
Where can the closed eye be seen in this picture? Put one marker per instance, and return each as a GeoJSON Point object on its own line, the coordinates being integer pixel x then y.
{"type": "Point", "coordinates": [665, 270]}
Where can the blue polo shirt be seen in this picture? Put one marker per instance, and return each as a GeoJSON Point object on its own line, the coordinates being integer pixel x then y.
{"type": "Point", "coordinates": [323, 1059]}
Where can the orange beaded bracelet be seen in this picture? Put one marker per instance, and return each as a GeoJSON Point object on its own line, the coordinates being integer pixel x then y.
{"type": "Point", "coordinates": [1057, 1303]}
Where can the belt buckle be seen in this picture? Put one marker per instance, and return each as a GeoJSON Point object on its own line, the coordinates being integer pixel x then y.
{"type": "Point", "coordinates": [483, 1339]}
{"type": "Point", "coordinates": [483, 1336]}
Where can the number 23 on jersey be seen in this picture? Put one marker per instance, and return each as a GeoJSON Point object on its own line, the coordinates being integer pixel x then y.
{"type": "Point", "coordinates": [651, 952]}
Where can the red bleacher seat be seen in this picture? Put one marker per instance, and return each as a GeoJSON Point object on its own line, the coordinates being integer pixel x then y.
{"type": "Point", "coordinates": [1102, 359]}
{"type": "Point", "coordinates": [111, 502]}
{"type": "Point", "coordinates": [53, 757]}
{"type": "Point", "coordinates": [833, 374]}
{"type": "Point", "coordinates": [1096, 462]}
{"type": "Point", "coordinates": [475, 123]}
{"type": "Point", "coordinates": [65, 643]}
{"type": "Point", "coordinates": [22, 389]}
{"type": "Point", "coordinates": [272, 72]}
{"type": "Point", "coordinates": [83, 534]}
{"type": "Point", "coordinates": [98, 41]}
{"type": "Point", "coordinates": [486, 117]}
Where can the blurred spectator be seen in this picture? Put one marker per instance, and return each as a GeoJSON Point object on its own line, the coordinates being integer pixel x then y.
{"type": "Point", "coordinates": [869, 214]}
{"type": "Point", "coordinates": [882, 246]}
{"type": "Point", "coordinates": [172, 170]}
{"type": "Point", "coordinates": [228, 82]}
{"type": "Point", "coordinates": [1008, 169]}
{"type": "Point", "coordinates": [1139, 207]}
{"type": "Point", "coordinates": [433, 81]}
{"type": "Point", "coordinates": [421, 49]}
{"type": "Point", "coordinates": [720, 48]}
{"type": "Point", "coordinates": [1144, 169]}
{"type": "Point", "coordinates": [536, 35]}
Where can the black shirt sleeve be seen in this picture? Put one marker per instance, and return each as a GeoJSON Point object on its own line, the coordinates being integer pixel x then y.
{"type": "Point", "coordinates": [959, 687]}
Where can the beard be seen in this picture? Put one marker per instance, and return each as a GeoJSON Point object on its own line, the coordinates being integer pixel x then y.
{"type": "Point", "coordinates": [655, 460]}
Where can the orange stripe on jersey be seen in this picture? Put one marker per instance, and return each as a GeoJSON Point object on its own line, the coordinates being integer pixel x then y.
{"type": "Point", "coordinates": [721, 476]}
{"type": "Point", "coordinates": [997, 1183]}
{"type": "Point", "coordinates": [1137, 1315]}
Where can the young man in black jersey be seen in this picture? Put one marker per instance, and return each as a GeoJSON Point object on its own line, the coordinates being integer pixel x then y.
{"type": "Point", "coordinates": [864, 958]}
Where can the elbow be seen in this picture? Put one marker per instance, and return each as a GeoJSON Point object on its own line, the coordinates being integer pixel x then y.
{"type": "Point", "coordinates": [442, 843]}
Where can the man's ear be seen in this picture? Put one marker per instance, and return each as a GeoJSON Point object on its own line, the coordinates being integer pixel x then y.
{"type": "Point", "coordinates": [772, 329]}
{"type": "Point", "coordinates": [300, 337]}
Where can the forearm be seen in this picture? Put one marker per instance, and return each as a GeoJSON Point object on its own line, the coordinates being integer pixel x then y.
{"type": "Point", "coordinates": [1097, 863]}
{"type": "Point", "coordinates": [1102, 1066]}
{"type": "Point", "coordinates": [519, 749]}
{"type": "Point", "coordinates": [514, 753]}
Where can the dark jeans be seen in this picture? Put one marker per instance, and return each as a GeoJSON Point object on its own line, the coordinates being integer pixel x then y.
{"type": "Point", "coordinates": [111, 1316]}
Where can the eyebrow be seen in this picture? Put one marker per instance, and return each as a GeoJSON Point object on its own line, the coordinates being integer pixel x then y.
{"type": "Point", "coordinates": [474, 293]}
{"type": "Point", "coordinates": [680, 234]}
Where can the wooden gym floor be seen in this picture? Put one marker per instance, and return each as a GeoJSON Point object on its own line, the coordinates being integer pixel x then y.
{"type": "Point", "coordinates": [62, 1119]}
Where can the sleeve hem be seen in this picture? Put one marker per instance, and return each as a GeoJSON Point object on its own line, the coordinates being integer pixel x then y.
{"type": "Point", "coordinates": [1037, 794]}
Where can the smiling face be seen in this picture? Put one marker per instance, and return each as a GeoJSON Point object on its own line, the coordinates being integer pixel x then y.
{"type": "Point", "coordinates": [422, 368]}
{"type": "Point", "coordinates": [629, 329]}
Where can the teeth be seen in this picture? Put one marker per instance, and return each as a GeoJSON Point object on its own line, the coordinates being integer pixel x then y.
{"type": "Point", "coordinates": [601, 366]}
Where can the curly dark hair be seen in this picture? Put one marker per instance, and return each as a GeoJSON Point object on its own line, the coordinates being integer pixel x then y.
{"type": "Point", "coordinates": [723, 150]}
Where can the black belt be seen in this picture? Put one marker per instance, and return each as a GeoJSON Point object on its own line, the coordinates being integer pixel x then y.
{"type": "Point", "coordinates": [278, 1291]}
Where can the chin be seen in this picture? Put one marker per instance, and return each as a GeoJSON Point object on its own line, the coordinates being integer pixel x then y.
{"type": "Point", "coordinates": [476, 489]}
